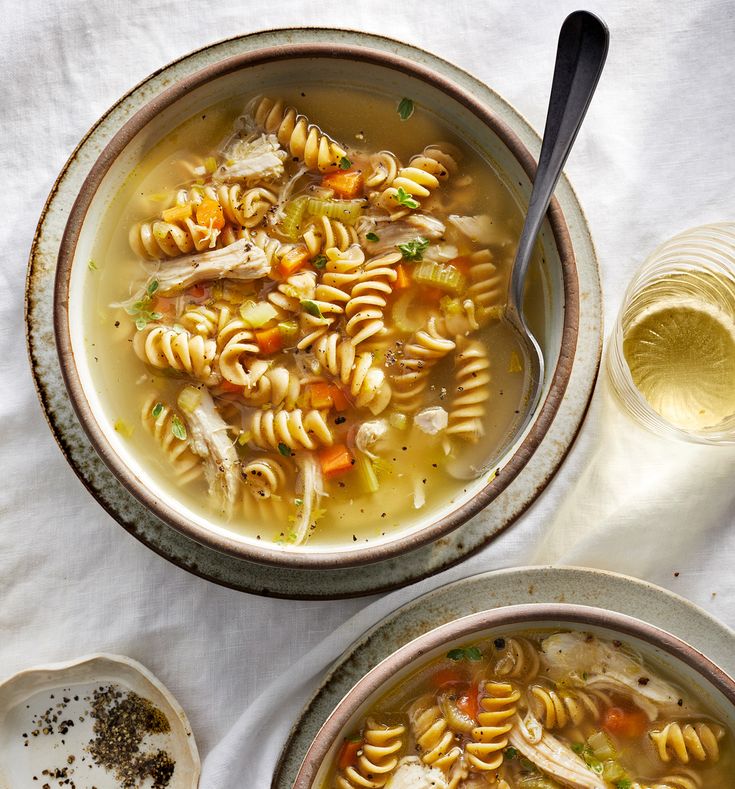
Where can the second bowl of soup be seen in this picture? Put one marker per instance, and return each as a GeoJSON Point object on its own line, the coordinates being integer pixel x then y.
{"type": "Point", "coordinates": [533, 697]}
{"type": "Point", "coordinates": [279, 300]}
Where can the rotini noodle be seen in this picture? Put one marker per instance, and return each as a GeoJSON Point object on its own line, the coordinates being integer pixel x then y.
{"type": "Point", "coordinates": [323, 233]}
{"type": "Point", "coordinates": [419, 355]}
{"type": "Point", "coordinates": [684, 779]}
{"type": "Point", "coordinates": [498, 706]}
{"type": "Point", "coordinates": [264, 476]}
{"type": "Point", "coordinates": [687, 741]}
{"type": "Point", "coordinates": [294, 429]}
{"type": "Point", "coordinates": [187, 466]}
{"type": "Point", "coordinates": [383, 170]}
{"type": "Point", "coordinates": [435, 741]}
{"type": "Point", "coordinates": [472, 391]}
{"type": "Point", "coordinates": [377, 758]}
{"type": "Point", "coordinates": [164, 347]}
{"type": "Point", "coordinates": [486, 284]}
{"type": "Point", "coordinates": [302, 139]}
{"type": "Point", "coordinates": [518, 659]}
{"type": "Point", "coordinates": [369, 297]}
{"type": "Point", "coordinates": [560, 707]}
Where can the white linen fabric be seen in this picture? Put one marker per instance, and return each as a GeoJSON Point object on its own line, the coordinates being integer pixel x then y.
{"type": "Point", "coordinates": [654, 157]}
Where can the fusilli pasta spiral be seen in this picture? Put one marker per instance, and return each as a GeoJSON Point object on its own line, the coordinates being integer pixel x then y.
{"type": "Point", "coordinates": [435, 741]}
{"type": "Point", "coordinates": [264, 476]}
{"type": "Point", "coordinates": [206, 320]}
{"type": "Point", "coordinates": [518, 659]}
{"type": "Point", "coordinates": [472, 391]}
{"type": "Point", "coordinates": [683, 779]}
{"type": "Point", "coordinates": [688, 741]}
{"type": "Point", "coordinates": [560, 707]}
{"type": "Point", "coordinates": [424, 174]}
{"type": "Point", "coordinates": [377, 758]}
{"type": "Point", "coordinates": [277, 386]}
{"type": "Point", "coordinates": [367, 384]}
{"type": "Point", "coordinates": [164, 347]}
{"type": "Point", "coordinates": [186, 464]}
{"type": "Point", "coordinates": [383, 170]}
{"type": "Point", "coordinates": [498, 706]}
{"type": "Point", "coordinates": [419, 355]}
{"type": "Point", "coordinates": [369, 297]}
{"type": "Point", "coordinates": [322, 233]}
{"type": "Point", "coordinates": [238, 362]}
{"type": "Point", "coordinates": [159, 239]}
{"type": "Point", "coordinates": [295, 429]}
{"type": "Point", "coordinates": [486, 284]}
{"type": "Point", "coordinates": [301, 138]}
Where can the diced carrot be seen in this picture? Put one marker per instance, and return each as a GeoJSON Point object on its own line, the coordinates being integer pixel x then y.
{"type": "Point", "coordinates": [348, 754]}
{"type": "Point", "coordinates": [198, 291]}
{"type": "Point", "coordinates": [448, 676]}
{"type": "Point", "coordinates": [339, 399]}
{"type": "Point", "coordinates": [462, 263]}
{"type": "Point", "coordinates": [269, 340]}
{"type": "Point", "coordinates": [178, 213]}
{"type": "Point", "coordinates": [344, 183]}
{"type": "Point", "coordinates": [624, 722]}
{"type": "Point", "coordinates": [210, 211]}
{"type": "Point", "coordinates": [335, 460]}
{"type": "Point", "coordinates": [320, 394]}
{"type": "Point", "coordinates": [402, 278]}
{"type": "Point", "coordinates": [469, 703]}
{"type": "Point", "coordinates": [294, 260]}
{"type": "Point", "coordinates": [230, 387]}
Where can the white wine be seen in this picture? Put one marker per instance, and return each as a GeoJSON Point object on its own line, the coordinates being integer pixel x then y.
{"type": "Point", "coordinates": [680, 348]}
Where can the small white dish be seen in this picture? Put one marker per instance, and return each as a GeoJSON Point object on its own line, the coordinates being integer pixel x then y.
{"type": "Point", "coordinates": [56, 698]}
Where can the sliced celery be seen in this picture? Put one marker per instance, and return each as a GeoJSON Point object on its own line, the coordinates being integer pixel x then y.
{"type": "Point", "coordinates": [347, 211]}
{"type": "Point", "coordinates": [612, 771]}
{"type": "Point", "coordinates": [438, 275]}
{"type": "Point", "coordinates": [293, 213]}
{"type": "Point", "coordinates": [189, 398]}
{"type": "Point", "coordinates": [366, 473]}
{"type": "Point", "coordinates": [405, 318]}
{"type": "Point", "coordinates": [450, 306]}
{"type": "Point", "coordinates": [602, 746]}
{"type": "Point", "coordinates": [257, 314]}
{"type": "Point", "coordinates": [399, 421]}
{"type": "Point", "coordinates": [289, 331]}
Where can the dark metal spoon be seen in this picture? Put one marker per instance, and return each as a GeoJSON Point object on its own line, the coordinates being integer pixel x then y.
{"type": "Point", "coordinates": [580, 57]}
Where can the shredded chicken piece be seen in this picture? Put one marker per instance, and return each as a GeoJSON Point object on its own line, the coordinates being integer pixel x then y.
{"type": "Point", "coordinates": [255, 158]}
{"type": "Point", "coordinates": [368, 434]}
{"type": "Point", "coordinates": [310, 488]}
{"type": "Point", "coordinates": [412, 773]}
{"type": "Point", "coordinates": [431, 420]}
{"type": "Point", "coordinates": [590, 662]}
{"type": "Point", "coordinates": [241, 260]}
{"type": "Point", "coordinates": [208, 438]}
{"type": "Point", "coordinates": [551, 755]}
{"type": "Point", "coordinates": [399, 232]}
{"type": "Point", "coordinates": [480, 229]}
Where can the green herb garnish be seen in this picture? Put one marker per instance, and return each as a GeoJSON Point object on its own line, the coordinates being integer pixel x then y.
{"type": "Point", "coordinates": [157, 408]}
{"type": "Point", "coordinates": [152, 287]}
{"type": "Point", "coordinates": [92, 266]}
{"type": "Point", "coordinates": [311, 307]}
{"type": "Point", "coordinates": [320, 261]}
{"type": "Point", "coordinates": [372, 237]}
{"type": "Point", "coordinates": [405, 108]}
{"type": "Point", "coordinates": [141, 310]}
{"type": "Point", "coordinates": [464, 653]}
{"type": "Point", "coordinates": [298, 502]}
{"type": "Point", "coordinates": [510, 752]}
{"type": "Point", "coordinates": [344, 163]}
{"type": "Point", "coordinates": [624, 783]}
{"type": "Point", "coordinates": [404, 198]}
{"type": "Point", "coordinates": [414, 250]}
{"type": "Point", "coordinates": [178, 428]}
{"type": "Point", "coordinates": [284, 449]}
{"type": "Point", "coordinates": [577, 747]}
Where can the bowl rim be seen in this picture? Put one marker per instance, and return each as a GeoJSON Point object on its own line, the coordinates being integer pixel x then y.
{"type": "Point", "coordinates": [380, 675]}
{"type": "Point", "coordinates": [546, 411]}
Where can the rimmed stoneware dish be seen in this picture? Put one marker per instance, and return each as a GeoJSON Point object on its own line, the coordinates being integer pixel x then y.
{"type": "Point", "coordinates": [264, 71]}
{"type": "Point", "coordinates": [685, 663]}
{"type": "Point", "coordinates": [65, 688]}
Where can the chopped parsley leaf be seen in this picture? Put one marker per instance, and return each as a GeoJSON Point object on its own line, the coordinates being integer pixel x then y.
{"type": "Point", "coordinates": [344, 163]}
{"type": "Point", "coordinates": [320, 261]}
{"type": "Point", "coordinates": [372, 237]}
{"type": "Point", "coordinates": [414, 250]}
{"type": "Point", "coordinates": [178, 428]}
{"type": "Point", "coordinates": [402, 197]}
{"type": "Point", "coordinates": [405, 108]}
{"type": "Point", "coordinates": [92, 266]}
{"type": "Point", "coordinates": [311, 307]}
{"type": "Point", "coordinates": [284, 450]}
{"type": "Point", "coordinates": [157, 408]}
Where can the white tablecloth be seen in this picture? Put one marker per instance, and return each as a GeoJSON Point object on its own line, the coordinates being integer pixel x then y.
{"type": "Point", "coordinates": [655, 156]}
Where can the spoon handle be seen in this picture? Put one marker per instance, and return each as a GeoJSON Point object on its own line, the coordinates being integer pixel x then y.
{"type": "Point", "coordinates": [580, 57]}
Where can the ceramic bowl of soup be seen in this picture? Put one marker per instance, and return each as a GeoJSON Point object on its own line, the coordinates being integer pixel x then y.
{"type": "Point", "coordinates": [535, 696]}
{"type": "Point", "coordinates": [277, 305]}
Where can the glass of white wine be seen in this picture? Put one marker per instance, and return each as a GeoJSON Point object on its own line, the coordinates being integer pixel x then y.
{"type": "Point", "coordinates": [671, 356]}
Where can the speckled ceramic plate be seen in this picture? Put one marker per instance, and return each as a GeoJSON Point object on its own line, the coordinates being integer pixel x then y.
{"type": "Point", "coordinates": [47, 725]}
{"type": "Point", "coordinates": [294, 581]}
{"type": "Point", "coordinates": [571, 585]}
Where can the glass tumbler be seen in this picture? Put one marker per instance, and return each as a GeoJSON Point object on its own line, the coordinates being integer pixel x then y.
{"type": "Point", "coordinates": [671, 354]}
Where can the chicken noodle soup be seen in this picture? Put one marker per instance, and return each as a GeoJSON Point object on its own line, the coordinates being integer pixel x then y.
{"type": "Point", "coordinates": [312, 319]}
{"type": "Point", "coordinates": [537, 710]}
